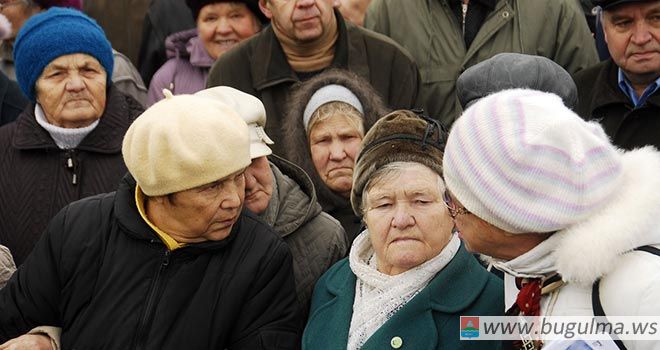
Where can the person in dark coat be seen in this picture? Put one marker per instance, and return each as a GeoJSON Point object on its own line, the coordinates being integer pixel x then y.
{"type": "Point", "coordinates": [623, 92]}
{"type": "Point", "coordinates": [67, 144]}
{"type": "Point", "coordinates": [163, 18]}
{"type": "Point", "coordinates": [408, 278]}
{"type": "Point", "coordinates": [317, 106]}
{"type": "Point", "coordinates": [168, 261]}
{"type": "Point", "coordinates": [270, 63]}
{"type": "Point", "coordinates": [12, 100]}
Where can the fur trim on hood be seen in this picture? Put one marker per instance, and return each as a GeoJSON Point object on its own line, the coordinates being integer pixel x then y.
{"type": "Point", "coordinates": [591, 249]}
{"type": "Point", "coordinates": [296, 145]}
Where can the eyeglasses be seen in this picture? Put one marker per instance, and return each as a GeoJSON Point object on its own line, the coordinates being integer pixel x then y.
{"type": "Point", "coordinates": [454, 211]}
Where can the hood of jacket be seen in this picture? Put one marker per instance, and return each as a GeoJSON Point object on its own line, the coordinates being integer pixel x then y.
{"type": "Point", "coordinates": [593, 248]}
{"type": "Point", "coordinates": [293, 203]}
{"type": "Point", "coordinates": [187, 45]}
{"type": "Point", "coordinates": [297, 144]}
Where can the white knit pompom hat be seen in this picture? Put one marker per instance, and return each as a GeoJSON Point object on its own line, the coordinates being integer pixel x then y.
{"type": "Point", "coordinates": [522, 161]}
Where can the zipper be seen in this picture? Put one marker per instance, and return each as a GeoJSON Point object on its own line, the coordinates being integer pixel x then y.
{"type": "Point", "coordinates": [464, 8]}
{"type": "Point", "coordinates": [143, 327]}
{"type": "Point", "coordinates": [71, 165]}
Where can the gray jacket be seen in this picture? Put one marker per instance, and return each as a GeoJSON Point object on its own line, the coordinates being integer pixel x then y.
{"type": "Point", "coordinates": [7, 266]}
{"type": "Point", "coordinates": [316, 239]}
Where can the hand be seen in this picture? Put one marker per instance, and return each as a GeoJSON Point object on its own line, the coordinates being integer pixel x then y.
{"type": "Point", "coordinates": [28, 342]}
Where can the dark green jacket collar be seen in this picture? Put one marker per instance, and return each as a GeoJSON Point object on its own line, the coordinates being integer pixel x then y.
{"type": "Point", "coordinates": [452, 290]}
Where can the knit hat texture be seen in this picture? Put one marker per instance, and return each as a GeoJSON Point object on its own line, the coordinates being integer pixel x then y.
{"type": "Point", "coordinates": [185, 141]}
{"type": "Point", "coordinates": [515, 71]}
{"type": "Point", "coordinates": [327, 94]}
{"type": "Point", "coordinates": [522, 161]}
{"type": "Point", "coordinates": [54, 33]}
{"type": "Point", "coordinates": [401, 136]}
{"type": "Point", "coordinates": [251, 110]}
{"type": "Point", "coordinates": [46, 4]}
{"type": "Point", "coordinates": [253, 5]}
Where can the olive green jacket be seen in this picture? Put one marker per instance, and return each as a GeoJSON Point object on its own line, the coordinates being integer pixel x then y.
{"type": "Point", "coordinates": [428, 29]}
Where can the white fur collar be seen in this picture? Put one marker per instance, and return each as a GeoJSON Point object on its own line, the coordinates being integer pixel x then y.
{"type": "Point", "coordinates": [591, 249]}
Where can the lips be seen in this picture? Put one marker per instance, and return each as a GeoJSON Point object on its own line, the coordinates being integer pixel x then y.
{"type": "Point", "coordinates": [644, 55]}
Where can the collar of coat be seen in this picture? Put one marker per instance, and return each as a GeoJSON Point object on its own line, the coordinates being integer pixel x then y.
{"type": "Point", "coordinates": [452, 290]}
{"type": "Point", "coordinates": [610, 93]}
{"type": "Point", "coordinates": [592, 248]}
{"type": "Point", "coordinates": [129, 219]}
{"type": "Point", "coordinates": [271, 67]}
{"type": "Point", "coordinates": [295, 203]}
{"type": "Point", "coordinates": [106, 138]}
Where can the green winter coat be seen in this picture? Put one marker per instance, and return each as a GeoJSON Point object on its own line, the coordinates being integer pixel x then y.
{"type": "Point", "coordinates": [428, 29]}
{"type": "Point", "coordinates": [431, 320]}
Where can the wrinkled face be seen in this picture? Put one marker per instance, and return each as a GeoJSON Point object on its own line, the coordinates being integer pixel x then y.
{"type": "Point", "coordinates": [334, 144]}
{"type": "Point", "coordinates": [258, 185]}
{"type": "Point", "coordinates": [300, 20]}
{"type": "Point", "coordinates": [482, 237]}
{"type": "Point", "coordinates": [632, 33]}
{"type": "Point", "coordinates": [17, 12]}
{"type": "Point", "coordinates": [408, 222]}
{"type": "Point", "coordinates": [71, 90]}
{"type": "Point", "coordinates": [203, 213]}
{"type": "Point", "coordinates": [222, 25]}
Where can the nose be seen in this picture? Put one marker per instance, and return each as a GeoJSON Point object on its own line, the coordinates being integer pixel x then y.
{"type": "Point", "coordinates": [75, 83]}
{"type": "Point", "coordinates": [305, 3]}
{"type": "Point", "coordinates": [232, 195]}
{"type": "Point", "coordinates": [402, 217]}
{"type": "Point", "coordinates": [250, 180]}
{"type": "Point", "coordinates": [223, 26]}
{"type": "Point", "coordinates": [337, 151]}
{"type": "Point", "coordinates": [641, 33]}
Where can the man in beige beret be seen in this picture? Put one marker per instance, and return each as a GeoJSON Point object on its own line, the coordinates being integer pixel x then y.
{"type": "Point", "coordinates": [170, 260]}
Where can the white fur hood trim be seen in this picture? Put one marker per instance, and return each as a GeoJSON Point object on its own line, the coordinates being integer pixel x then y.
{"type": "Point", "coordinates": [592, 248]}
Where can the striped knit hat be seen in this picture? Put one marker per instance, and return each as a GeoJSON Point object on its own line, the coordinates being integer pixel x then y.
{"type": "Point", "coordinates": [522, 161]}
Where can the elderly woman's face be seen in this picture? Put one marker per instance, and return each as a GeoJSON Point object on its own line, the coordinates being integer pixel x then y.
{"type": "Point", "coordinates": [407, 220]}
{"type": "Point", "coordinates": [258, 185]}
{"type": "Point", "coordinates": [334, 144]}
{"type": "Point", "coordinates": [203, 213]}
{"type": "Point", "coordinates": [71, 90]}
{"type": "Point", "coordinates": [222, 25]}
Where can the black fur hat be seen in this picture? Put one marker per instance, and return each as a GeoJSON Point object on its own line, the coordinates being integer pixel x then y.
{"type": "Point", "coordinates": [253, 5]}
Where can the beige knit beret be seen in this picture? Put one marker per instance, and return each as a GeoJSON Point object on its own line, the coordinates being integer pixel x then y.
{"type": "Point", "coordinates": [185, 141]}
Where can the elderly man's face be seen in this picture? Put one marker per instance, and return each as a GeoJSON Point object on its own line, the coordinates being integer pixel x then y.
{"type": "Point", "coordinates": [71, 90]}
{"type": "Point", "coordinates": [407, 220]}
{"type": "Point", "coordinates": [632, 33]}
{"type": "Point", "coordinates": [203, 213]}
{"type": "Point", "coordinates": [300, 20]}
{"type": "Point", "coordinates": [258, 185]}
{"type": "Point", "coordinates": [222, 25]}
{"type": "Point", "coordinates": [334, 144]}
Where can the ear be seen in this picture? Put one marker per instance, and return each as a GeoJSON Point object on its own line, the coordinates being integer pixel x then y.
{"type": "Point", "coordinates": [263, 6]}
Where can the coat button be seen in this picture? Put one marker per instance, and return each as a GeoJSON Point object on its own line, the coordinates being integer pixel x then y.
{"type": "Point", "coordinates": [396, 342]}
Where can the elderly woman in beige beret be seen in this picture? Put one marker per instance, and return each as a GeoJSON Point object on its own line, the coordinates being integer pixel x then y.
{"type": "Point", "coordinates": [168, 261]}
{"type": "Point", "coordinates": [408, 278]}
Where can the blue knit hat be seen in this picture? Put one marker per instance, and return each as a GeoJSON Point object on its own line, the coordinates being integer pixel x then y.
{"type": "Point", "coordinates": [54, 33]}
